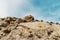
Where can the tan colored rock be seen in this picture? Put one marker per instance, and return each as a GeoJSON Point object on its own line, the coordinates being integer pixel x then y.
{"type": "Point", "coordinates": [12, 26]}
{"type": "Point", "coordinates": [18, 20]}
{"type": "Point", "coordinates": [3, 24]}
{"type": "Point", "coordinates": [14, 18]}
{"type": "Point", "coordinates": [28, 29]}
{"type": "Point", "coordinates": [8, 18]}
{"type": "Point", "coordinates": [34, 31]}
{"type": "Point", "coordinates": [29, 18]}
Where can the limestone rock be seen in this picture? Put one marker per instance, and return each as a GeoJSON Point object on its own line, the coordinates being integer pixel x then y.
{"type": "Point", "coordinates": [29, 18]}
{"type": "Point", "coordinates": [3, 23]}
{"type": "Point", "coordinates": [18, 29]}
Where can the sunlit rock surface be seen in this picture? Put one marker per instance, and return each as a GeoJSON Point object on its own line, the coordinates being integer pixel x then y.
{"type": "Point", "coordinates": [12, 28]}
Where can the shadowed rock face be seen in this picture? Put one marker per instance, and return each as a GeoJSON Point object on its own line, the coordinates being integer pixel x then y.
{"type": "Point", "coordinates": [12, 28]}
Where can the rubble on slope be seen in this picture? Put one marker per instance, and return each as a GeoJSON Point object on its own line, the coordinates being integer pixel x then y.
{"type": "Point", "coordinates": [12, 28]}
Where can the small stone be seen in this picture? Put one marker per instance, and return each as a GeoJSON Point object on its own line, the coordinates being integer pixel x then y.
{"type": "Point", "coordinates": [36, 20]}
{"type": "Point", "coordinates": [31, 35]}
{"type": "Point", "coordinates": [8, 19]}
{"type": "Point", "coordinates": [14, 18]}
{"type": "Point", "coordinates": [1, 34]}
{"type": "Point", "coordinates": [6, 31]}
{"type": "Point", "coordinates": [41, 20]}
{"type": "Point", "coordinates": [51, 22]}
{"type": "Point", "coordinates": [57, 23]}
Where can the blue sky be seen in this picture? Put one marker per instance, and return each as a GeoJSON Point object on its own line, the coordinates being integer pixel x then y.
{"type": "Point", "coordinates": [48, 10]}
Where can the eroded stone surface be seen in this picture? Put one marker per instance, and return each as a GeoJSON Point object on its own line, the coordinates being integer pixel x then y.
{"type": "Point", "coordinates": [29, 18]}
{"type": "Point", "coordinates": [18, 29]}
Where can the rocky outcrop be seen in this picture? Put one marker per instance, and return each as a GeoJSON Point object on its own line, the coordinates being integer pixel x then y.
{"type": "Point", "coordinates": [12, 28]}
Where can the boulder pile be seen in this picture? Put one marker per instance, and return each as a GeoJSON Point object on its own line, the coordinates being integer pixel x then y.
{"type": "Point", "coordinates": [12, 28]}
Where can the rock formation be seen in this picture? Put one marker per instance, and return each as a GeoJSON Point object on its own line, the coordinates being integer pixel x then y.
{"type": "Point", "coordinates": [12, 28]}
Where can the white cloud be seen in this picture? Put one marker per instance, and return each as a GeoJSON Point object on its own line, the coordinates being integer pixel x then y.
{"type": "Point", "coordinates": [3, 8]}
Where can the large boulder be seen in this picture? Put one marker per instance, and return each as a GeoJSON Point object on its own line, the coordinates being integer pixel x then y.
{"type": "Point", "coordinates": [29, 18]}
